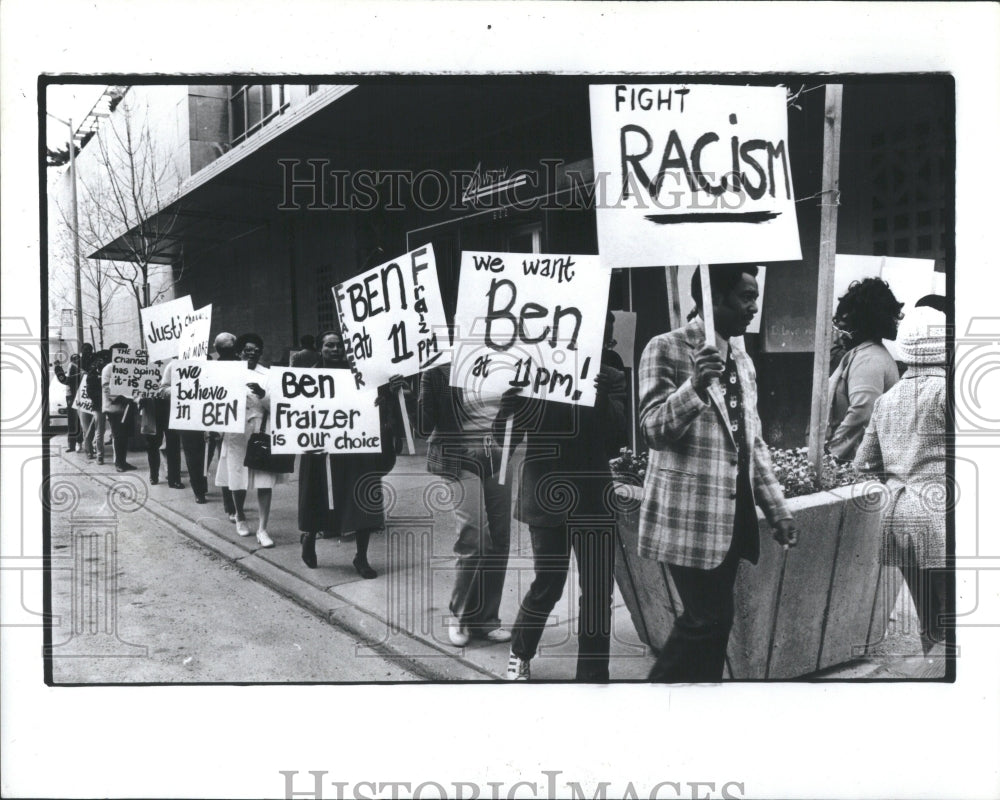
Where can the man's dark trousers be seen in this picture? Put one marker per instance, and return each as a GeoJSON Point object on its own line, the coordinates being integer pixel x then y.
{"type": "Point", "coordinates": [695, 651]}
{"type": "Point", "coordinates": [594, 547]}
{"type": "Point", "coordinates": [193, 444]}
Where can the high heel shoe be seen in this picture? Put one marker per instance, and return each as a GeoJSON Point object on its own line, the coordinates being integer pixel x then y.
{"type": "Point", "coordinates": [363, 567]}
{"type": "Point", "coordinates": [308, 541]}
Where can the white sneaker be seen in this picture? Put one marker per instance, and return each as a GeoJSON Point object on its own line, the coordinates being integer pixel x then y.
{"type": "Point", "coordinates": [497, 635]}
{"type": "Point", "coordinates": [232, 518]}
{"type": "Point", "coordinates": [242, 529]}
{"type": "Point", "coordinates": [263, 539]}
{"type": "Point", "coordinates": [518, 669]}
{"type": "Point", "coordinates": [457, 634]}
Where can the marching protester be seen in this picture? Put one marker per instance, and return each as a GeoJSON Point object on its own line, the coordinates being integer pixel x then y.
{"type": "Point", "coordinates": [708, 468]}
{"type": "Point", "coordinates": [463, 451]}
{"type": "Point", "coordinates": [866, 314]}
{"type": "Point", "coordinates": [191, 442]}
{"type": "Point", "coordinates": [904, 446]}
{"type": "Point", "coordinates": [225, 350]}
{"type": "Point", "coordinates": [94, 438]}
{"type": "Point", "coordinates": [154, 424]}
{"type": "Point", "coordinates": [232, 469]}
{"type": "Point", "coordinates": [567, 453]}
{"type": "Point", "coordinates": [353, 499]}
{"type": "Point", "coordinates": [71, 380]}
{"type": "Point", "coordinates": [116, 409]}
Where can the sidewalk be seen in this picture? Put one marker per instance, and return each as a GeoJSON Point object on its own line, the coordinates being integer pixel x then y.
{"type": "Point", "coordinates": [404, 611]}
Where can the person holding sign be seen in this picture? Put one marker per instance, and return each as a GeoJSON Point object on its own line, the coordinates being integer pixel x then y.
{"type": "Point", "coordinates": [116, 408]}
{"type": "Point", "coordinates": [192, 442]}
{"type": "Point", "coordinates": [564, 490]}
{"type": "Point", "coordinates": [463, 450]}
{"type": "Point", "coordinates": [238, 477]}
{"type": "Point", "coordinates": [329, 484]}
{"type": "Point", "coordinates": [154, 416]}
{"type": "Point", "coordinates": [708, 467]}
{"type": "Point", "coordinates": [71, 380]}
{"type": "Point", "coordinates": [225, 350]}
{"type": "Point", "coordinates": [866, 314]}
{"type": "Point", "coordinates": [94, 439]}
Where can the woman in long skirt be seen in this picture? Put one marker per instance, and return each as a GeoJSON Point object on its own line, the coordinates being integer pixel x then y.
{"type": "Point", "coordinates": [342, 493]}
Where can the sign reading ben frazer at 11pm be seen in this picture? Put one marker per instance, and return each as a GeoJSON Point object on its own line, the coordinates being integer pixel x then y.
{"type": "Point", "coordinates": [392, 318]}
{"type": "Point", "coordinates": [692, 174]}
{"type": "Point", "coordinates": [322, 409]}
{"type": "Point", "coordinates": [209, 395]}
{"type": "Point", "coordinates": [532, 321]}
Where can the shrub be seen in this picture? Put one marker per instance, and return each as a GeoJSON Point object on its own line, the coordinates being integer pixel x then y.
{"type": "Point", "coordinates": [791, 468]}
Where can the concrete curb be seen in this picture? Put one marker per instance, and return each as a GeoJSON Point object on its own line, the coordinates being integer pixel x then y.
{"type": "Point", "coordinates": [428, 662]}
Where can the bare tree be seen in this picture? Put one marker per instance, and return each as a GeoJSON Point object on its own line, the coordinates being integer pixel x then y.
{"type": "Point", "coordinates": [127, 199]}
{"type": "Point", "coordinates": [96, 275]}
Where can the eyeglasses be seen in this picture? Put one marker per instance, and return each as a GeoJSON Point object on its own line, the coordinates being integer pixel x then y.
{"type": "Point", "coordinates": [251, 351]}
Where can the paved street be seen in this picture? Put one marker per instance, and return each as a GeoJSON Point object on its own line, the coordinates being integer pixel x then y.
{"type": "Point", "coordinates": [184, 613]}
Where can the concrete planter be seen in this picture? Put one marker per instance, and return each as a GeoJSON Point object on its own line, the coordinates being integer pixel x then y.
{"type": "Point", "coordinates": [818, 606]}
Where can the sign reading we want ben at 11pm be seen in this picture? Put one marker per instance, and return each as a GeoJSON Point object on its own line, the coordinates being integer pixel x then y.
{"type": "Point", "coordinates": [530, 321]}
{"type": "Point", "coordinates": [692, 174]}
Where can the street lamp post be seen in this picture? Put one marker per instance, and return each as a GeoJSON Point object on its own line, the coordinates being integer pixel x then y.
{"type": "Point", "coordinates": [76, 233]}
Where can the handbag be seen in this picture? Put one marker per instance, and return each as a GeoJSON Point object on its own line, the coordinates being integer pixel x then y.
{"type": "Point", "coordinates": [259, 456]}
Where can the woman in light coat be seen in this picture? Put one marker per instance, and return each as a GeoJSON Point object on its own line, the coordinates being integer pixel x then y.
{"type": "Point", "coordinates": [231, 471]}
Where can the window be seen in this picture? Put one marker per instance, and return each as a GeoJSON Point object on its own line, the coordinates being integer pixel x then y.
{"type": "Point", "coordinates": [252, 106]}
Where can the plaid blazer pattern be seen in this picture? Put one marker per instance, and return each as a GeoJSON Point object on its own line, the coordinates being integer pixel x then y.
{"type": "Point", "coordinates": [689, 503]}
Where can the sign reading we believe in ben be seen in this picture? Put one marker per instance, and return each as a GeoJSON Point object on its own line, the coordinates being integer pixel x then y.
{"type": "Point", "coordinates": [530, 320]}
{"type": "Point", "coordinates": [322, 409]}
{"type": "Point", "coordinates": [692, 174]}
{"type": "Point", "coordinates": [392, 318]}
{"type": "Point", "coordinates": [209, 395]}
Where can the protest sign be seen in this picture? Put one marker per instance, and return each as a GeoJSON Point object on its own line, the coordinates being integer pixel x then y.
{"type": "Point", "coordinates": [909, 278]}
{"type": "Point", "coordinates": [132, 375]}
{"type": "Point", "coordinates": [510, 333]}
{"type": "Point", "coordinates": [82, 401]}
{"type": "Point", "coordinates": [193, 342]}
{"type": "Point", "coordinates": [209, 395]}
{"type": "Point", "coordinates": [392, 318]}
{"type": "Point", "coordinates": [162, 326]}
{"type": "Point", "coordinates": [692, 174]}
{"type": "Point", "coordinates": [322, 409]}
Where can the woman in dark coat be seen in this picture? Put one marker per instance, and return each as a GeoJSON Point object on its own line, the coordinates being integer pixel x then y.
{"type": "Point", "coordinates": [356, 478]}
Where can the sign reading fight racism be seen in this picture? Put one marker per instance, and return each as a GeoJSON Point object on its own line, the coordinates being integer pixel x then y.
{"type": "Point", "coordinates": [132, 375]}
{"type": "Point", "coordinates": [209, 395]}
{"type": "Point", "coordinates": [162, 326]}
{"type": "Point", "coordinates": [692, 174]}
{"type": "Point", "coordinates": [530, 320]}
{"type": "Point", "coordinates": [193, 343]}
{"type": "Point", "coordinates": [392, 318]}
{"type": "Point", "coordinates": [82, 401]}
{"type": "Point", "coordinates": [322, 409]}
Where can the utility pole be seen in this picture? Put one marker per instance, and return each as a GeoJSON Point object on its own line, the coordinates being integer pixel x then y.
{"type": "Point", "coordinates": [76, 231]}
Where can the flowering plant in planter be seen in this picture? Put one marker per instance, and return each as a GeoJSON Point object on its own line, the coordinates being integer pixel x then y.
{"type": "Point", "coordinates": [791, 468]}
{"type": "Point", "coordinates": [629, 467]}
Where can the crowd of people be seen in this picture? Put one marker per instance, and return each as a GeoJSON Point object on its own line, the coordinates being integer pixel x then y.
{"type": "Point", "coordinates": [709, 469]}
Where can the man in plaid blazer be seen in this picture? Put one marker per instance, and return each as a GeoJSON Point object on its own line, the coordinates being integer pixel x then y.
{"type": "Point", "coordinates": [708, 468]}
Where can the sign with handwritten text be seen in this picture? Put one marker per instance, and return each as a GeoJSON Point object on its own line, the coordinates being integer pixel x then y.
{"type": "Point", "coordinates": [82, 401]}
{"type": "Point", "coordinates": [692, 174]}
{"type": "Point", "coordinates": [162, 326]}
{"type": "Point", "coordinates": [322, 409]}
{"type": "Point", "coordinates": [132, 375]}
{"type": "Point", "coordinates": [194, 338]}
{"type": "Point", "coordinates": [392, 318]}
{"type": "Point", "coordinates": [209, 395]}
{"type": "Point", "coordinates": [530, 320]}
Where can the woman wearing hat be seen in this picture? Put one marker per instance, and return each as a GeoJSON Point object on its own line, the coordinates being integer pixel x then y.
{"type": "Point", "coordinates": [904, 446]}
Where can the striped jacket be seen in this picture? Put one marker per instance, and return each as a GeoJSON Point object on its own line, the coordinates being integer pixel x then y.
{"type": "Point", "coordinates": [689, 504]}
